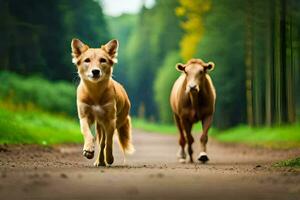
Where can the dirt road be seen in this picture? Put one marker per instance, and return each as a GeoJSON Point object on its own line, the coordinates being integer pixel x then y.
{"type": "Point", "coordinates": [61, 172]}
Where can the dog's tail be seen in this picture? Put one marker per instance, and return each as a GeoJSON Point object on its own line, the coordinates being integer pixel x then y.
{"type": "Point", "coordinates": [124, 133]}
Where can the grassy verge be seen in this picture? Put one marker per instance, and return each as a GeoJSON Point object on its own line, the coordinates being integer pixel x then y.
{"type": "Point", "coordinates": [159, 128]}
{"type": "Point", "coordinates": [282, 137]}
{"type": "Point", "coordinates": [289, 163]}
{"type": "Point", "coordinates": [32, 126]}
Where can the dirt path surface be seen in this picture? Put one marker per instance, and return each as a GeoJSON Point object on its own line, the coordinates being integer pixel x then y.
{"type": "Point", "coordinates": [61, 172]}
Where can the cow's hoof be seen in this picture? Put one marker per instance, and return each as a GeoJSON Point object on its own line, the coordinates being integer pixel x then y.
{"type": "Point", "coordinates": [181, 154]}
{"type": "Point", "coordinates": [88, 154]}
{"type": "Point", "coordinates": [190, 160]}
{"type": "Point", "coordinates": [181, 160]}
{"type": "Point", "coordinates": [203, 157]}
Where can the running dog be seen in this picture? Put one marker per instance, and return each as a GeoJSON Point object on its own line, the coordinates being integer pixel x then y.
{"type": "Point", "coordinates": [101, 101]}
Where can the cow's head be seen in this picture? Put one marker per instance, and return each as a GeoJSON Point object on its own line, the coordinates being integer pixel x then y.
{"type": "Point", "coordinates": [195, 70]}
{"type": "Point", "coordinates": [94, 64]}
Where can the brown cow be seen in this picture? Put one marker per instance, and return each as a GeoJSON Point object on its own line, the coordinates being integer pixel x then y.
{"type": "Point", "coordinates": [193, 99]}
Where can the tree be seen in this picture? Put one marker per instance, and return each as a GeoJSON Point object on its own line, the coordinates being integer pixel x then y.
{"type": "Point", "coordinates": [272, 39]}
{"type": "Point", "coordinates": [166, 76]}
{"type": "Point", "coordinates": [192, 12]}
{"type": "Point", "coordinates": [37, 34]}
{"type": "Point", "coordinates": [157, 32]}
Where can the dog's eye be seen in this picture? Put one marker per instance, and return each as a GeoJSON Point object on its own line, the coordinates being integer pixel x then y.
{"type": "Point", "coordinates": [102, 60]}
{"type": "Point", "coordinates": [87, 60]}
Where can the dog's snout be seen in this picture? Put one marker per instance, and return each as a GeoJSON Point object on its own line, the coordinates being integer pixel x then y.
{"type": "Point", "coordinates": [96, 72]}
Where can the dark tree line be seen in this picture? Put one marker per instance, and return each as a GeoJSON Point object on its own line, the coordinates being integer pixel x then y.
{"type": "Point", "coordinates": [35, 35]}
{"type": "Point", "coordinates": [272, 51]}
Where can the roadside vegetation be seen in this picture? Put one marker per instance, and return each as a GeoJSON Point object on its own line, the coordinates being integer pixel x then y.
{"type": "Point", "coordinates": [280, 137]}
{"type": "Point", "coordinates": [28, 125]}
{"type": "Point", "coordinates": [58, 97]}
{"type": "Point", "coordinates": [289, 163]}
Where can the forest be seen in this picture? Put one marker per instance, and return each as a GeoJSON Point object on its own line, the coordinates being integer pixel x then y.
{"type": "Point", "coordinates": [250, 151]}
{"type": "Point", "coordinates": [254, 44]}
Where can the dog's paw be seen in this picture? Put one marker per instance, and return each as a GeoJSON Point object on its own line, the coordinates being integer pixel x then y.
{"type": "Point", "coordinates": [88, 154]}
{"type": "Point", "coordinates": [109, 160]}
{"type": "Point", "coordinates": [97, 163]}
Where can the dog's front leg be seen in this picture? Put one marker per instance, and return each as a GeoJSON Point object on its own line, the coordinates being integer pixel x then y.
{"type": "Point", "coordinates": [109, 130]}
{"type": "Point", "coordinates": [89, 140]}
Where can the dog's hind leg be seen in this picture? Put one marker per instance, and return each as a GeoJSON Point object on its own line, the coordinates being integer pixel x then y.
{"type": "Point", "coordinates": [109, 132]}
{"type": "Point", "coordinates": [101, 141]}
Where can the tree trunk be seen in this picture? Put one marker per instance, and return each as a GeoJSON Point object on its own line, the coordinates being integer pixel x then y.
{"type": "Point", "coordinates": [277, 63]}
{"type": "Point", "coordinates": [249, 62]}
{"type": "Point", "coordinates": [290, 71]}
{"type": "Point", "coordinates": [269, 72]}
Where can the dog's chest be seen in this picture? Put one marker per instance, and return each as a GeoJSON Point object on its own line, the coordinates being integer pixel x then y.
{"type": "Point", "coordinates": [98, 110]}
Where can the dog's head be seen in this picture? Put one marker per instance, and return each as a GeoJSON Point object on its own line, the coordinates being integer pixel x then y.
{"type": "Point", "coordinates": [94, 64]}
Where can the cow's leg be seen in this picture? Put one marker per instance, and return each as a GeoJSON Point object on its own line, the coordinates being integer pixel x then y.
{"type": "Point", "coordinates": [206, 123]}
{"type": "Point", "coordinates": [190, 140]}
{"type": "Point", "coordinates": [101, 142]}
{"type": "Point", "coordinates": [89, 140]}
{"type": "Point", "coordinates": [181, 152]}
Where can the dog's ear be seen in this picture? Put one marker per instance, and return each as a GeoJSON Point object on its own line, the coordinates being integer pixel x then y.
{"type": "Point", "coordinates": [112, 49]}
{"type": "Point", "coordinates": [78, 48]}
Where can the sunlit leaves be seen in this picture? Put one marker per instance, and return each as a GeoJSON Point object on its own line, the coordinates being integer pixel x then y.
{"type": "Point", "coordinates": [191, 13]}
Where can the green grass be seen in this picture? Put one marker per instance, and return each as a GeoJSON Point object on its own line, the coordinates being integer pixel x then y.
{"type": "Point", "coordinates": [281, 137]}
{"type": "Point", "coordinates": [32, 126]}
{"type": "Point", "coordinates": [159, 128]}
{"type": "Point", "coordinates": [289, 163]}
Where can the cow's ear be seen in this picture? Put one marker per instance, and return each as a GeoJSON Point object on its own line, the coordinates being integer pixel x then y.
{"type": "Point", "coordinates": [209, 66]}
{"type": "Point", "coordinates": [78, 48]}
{"type": "Point", "coordinates": [180, 67]}
{"type": "Point", "coordinates": [112, 49]}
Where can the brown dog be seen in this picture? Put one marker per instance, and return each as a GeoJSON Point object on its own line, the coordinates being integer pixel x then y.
{"type": "Point", "coordinates": [101, 100]}
{"type": "Point", "coordinates": [193, 99]}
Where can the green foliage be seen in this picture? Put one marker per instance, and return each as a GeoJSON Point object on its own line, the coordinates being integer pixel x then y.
{"type": "Point", "coordinates": [289, 163]}
{"type": "Point", "coordinates": [281, 137]}
{"type": "Point", "coordinates": [122, 28]}
{"type": "Point", "coordinates": [157, 32]}
{"type": "Point", "coordinates": [36, 35]}
{"type": "Point", "coordinates": [165, 78]}
{"type": "Point", "coordinates": [31, 126]}
{"type": "Point", "coordinates": [56, 97]}
{"type": "Point", "coordinates": [223, 43]}
{"type": "Point", "coordinates": [192, 11]}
